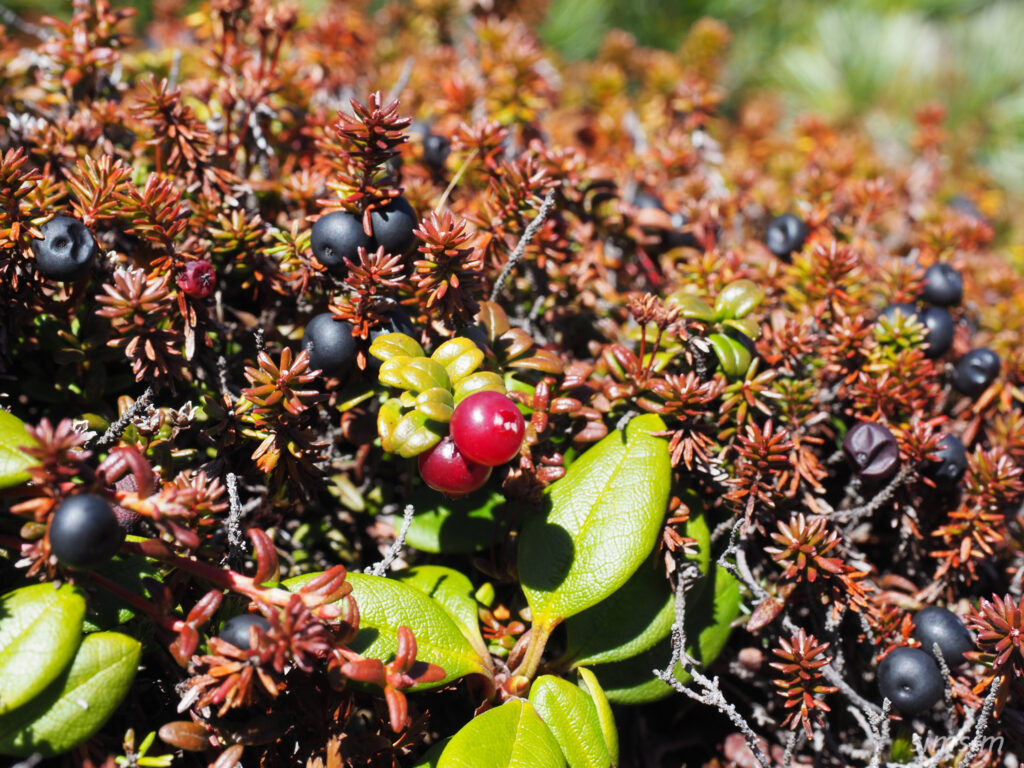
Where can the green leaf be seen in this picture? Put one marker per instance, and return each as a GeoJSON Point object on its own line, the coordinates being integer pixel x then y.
{"type": "Point", "coordinates": [691, 307]}
{"type": "Point", "coordinates": [436, 404]}
{"type": "Point", "coordinates": [387, 604]}
{"type": "Point", "coordinates": [40, 630]}
{"type": "Point", "coordinates": [712, 604]}
{"type": "Point", "coordinates": [745, 325]}
{"type": "Point", "coordinates": [387, 420]}
{"type": "Point", "coordinates": [414, 434]}
{"type": "Point", "coordinates": [459, 356]}
{"type": "Point", "coordinates": [480, 381]}
{"type": "Point", "coordinates": [459, 525]}
{"type": "Point", "coordinates": [640, 613]}
{"type": "Point", "coordinates": [603, 521]}
{"type": "Point", "coordinates": [732, 354]}
{"type": "Point", "coordinates": [13, 461]}
{"type": "Point", "coordinates": [737, 299]}
{"type": "Point", "coordinates": [389, 345]}
{"type": "Point", "coordinates": [510, 736]}
{"type": "Point", "coordinates": [77, 703]}
{"type": "Point", "coordinates": [630, 621]}
{"type": "Point", "coordinates": [414, 373]}
{"type": "Point", "coordinates": [588, 682]}
{"type": "Point", "coordinates": [454, 591]}
{"type": "Point", "coordinates": [571, 715]}
{"type": "Point", "coordinates": [432, 755]}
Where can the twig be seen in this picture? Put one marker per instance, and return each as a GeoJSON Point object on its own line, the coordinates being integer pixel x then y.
{"type": "Point", "coordinates": [403, 79]}
{"type": "Point", "coordinates": [711, 694]}
{"type": "Point", "coordinates": [520, 249]}
{"type": "Point", "coordinates": [979, 730]}
{"type": "Point", "coordinates": [855, 515]}
{"type": "Point", "coordinates": [381, 566]}
{"type": "Point", "coordinates": [114, 431]}
{"type": "Point", "coordinates": [235, 542]}
{"type": "Point", "coordinates": [879, 729]}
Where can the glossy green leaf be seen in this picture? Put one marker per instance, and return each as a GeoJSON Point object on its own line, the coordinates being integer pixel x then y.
{"type": "Point", "coordinates": [436, 404]}
{"type": "Point", "coordinates": [467, 524]}
{"type": "Point", "coordinates": [691, 307]}
{"type": "Point", "coordinates": [388, 416]}
{"type": "Point", "coordinates": [509, 736]}
{"type": "Point", "coordinates": [389, 345]}
{"type": "Point", "coordinates": [737, 299]}
{"type": "Point", "coordinates": [13, 461]}
{"type": "Point", "coordinates": [40, 630]}
{"type": "Point", "coordinates": [454, 591]}
{"type": "Point", "coordinates": [603, 520]}
{"type": "Point", "coordinates": [385, 605]}
{"type": "Point", "coordinates": [480, 381]}
{"type": "Point", "coordinates": [712, 604]}
{"type": "Point", "coordinates": [77, 704]}
{"type": "Point", "coordinates": [631, 620]}
{"type": "Point", "coordinates": [745, 325]}
{"type": "Point", "coordinates": [639, 614]}
{"type": "Point", "coordinates": [105, 610]}
{"type": "Point", "coordinates": [588, 682]}
{"type": "Point", "coordinates": [415, 373]}
{"type": "Point", "coordinates": [733, 355]}
{"type": "Point", "coordinates": [413, 434]}
{"type": "Point", "coordinates": [459, 356]}
{"type": "Point", "coordinates": [571, 715]}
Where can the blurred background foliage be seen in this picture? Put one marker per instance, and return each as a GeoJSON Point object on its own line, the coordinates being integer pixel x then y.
{"type": "Point", "coordinates": [866, 63]}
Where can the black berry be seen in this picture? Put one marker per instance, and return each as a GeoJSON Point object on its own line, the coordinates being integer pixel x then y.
{"type": "Point", "coordinates": [677, 237]}
{"type": "Point", "coordinates": [644, 200]}
{"type": "Point", "coordinates": [236, 629]}
{"type": "Point", "coordinates": [435, 150]}
{"type": "Point", "coordinates": [66, 251]}
{"type": "Point", "coordinates": [939, 338]}
{"type": "Point", "coordinates": [937, 625]}
{"type": "Point", "coordinates": [330, 345]}
{"type": "Point", "coordinates": [951, 463]}
{"type": "Point", "coordinates": [393, 225]}
{"type": "Point", "coordinates": [872, 451]}
{"type": "Point", "coordinates": [785, 234]}
{"type": "Point", "coordinates": [338, 236]}
{"type": "Point", "coordinates": [84, 532]}
{"type": "Point", "coordinates": [943, 286]}
{"type": "Point", "coordinates": [397, 321]}
{"type": "Point", "coordinates": [975, 371]}
{"type": "Point", "coordinates": [910, 678]}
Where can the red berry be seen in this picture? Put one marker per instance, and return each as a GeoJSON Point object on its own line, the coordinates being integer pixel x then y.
{"type": "Point", "coordinates": [445, 469]}
{"type": "Point", "coordinates": [198, 279]}
{"type": "Point", "coordinates": [488, 428]}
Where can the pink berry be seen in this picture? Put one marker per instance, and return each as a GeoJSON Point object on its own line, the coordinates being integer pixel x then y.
{"type": "Point", "coordinates": [488, 428]}
{"type": "Point", "coordinates": [197, 279]}
{"type": "Point", "coordinates": [445, 469]}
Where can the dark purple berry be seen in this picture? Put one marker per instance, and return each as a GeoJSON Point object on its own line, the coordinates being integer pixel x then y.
{"type": "Point", "coordinates": [939, 338]}
{"type": "Point", "coordinates": [393, 225]}
{"type": "Point", "coordinates": [84, 532]}
{"type": "Point", "coordinates": [951, 462]}
{"type": "Point", "coordinates": [966, 207]}
{"type": "Point", "coordinates": [338, 236]}
{"type": "Point", "coordinates": [910, 678]}
{"type": "Point", "coordinates": [645, 200]}
{"type": "Point", "coordinates": [66, 251]}
{"type": "Point", "coordinates": [785, 235]}
{"type": "Point", "coordinates": [872, 451]}
{"type": "Point", "coordinates": [976, 371]}
{"type": "Point", "coordinates": [937, 625]}
{"type": "Point", "coordinates": [330, 345]}
{"type": "Point", "coordinates": [197, 279]}
{"type": "Point", "coordinates": [943, 286]}
{"type": "Point", "coordinates": [236, 629]}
